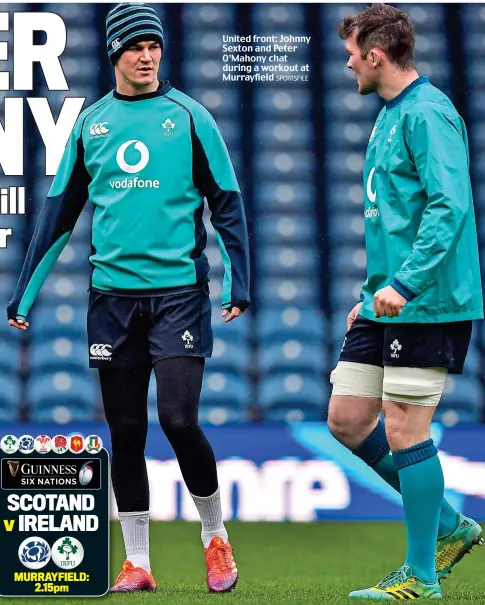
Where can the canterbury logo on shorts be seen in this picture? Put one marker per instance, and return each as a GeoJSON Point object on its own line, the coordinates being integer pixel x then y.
{"type": "Point", "coordinates": [100, 352]}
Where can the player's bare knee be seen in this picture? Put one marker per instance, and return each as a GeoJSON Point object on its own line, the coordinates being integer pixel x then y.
{"type": "Point", "coordinates": [349, 418]}
{"type": "Point", "coordinates": [340, 425]}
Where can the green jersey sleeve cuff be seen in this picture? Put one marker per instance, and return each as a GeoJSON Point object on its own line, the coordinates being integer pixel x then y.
{"type": "Point", "coordinates": [402, 289]}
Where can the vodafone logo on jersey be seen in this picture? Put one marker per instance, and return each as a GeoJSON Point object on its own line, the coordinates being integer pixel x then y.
{"type": "Point", "coordinates": [371, 195]}
{"type": "Point", "coordinates": [144, 157]}
{"type": "Point", "coordinates": [130, 168]}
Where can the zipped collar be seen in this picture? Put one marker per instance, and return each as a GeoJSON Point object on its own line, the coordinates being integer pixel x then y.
{"type": "Point", "coordinates": [163, 88]}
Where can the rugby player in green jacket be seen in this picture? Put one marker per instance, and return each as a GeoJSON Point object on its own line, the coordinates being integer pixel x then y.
{"type": "Point", "coordinates": [146, 156]}
{"type": "Point", "coordinates": [414, 321]}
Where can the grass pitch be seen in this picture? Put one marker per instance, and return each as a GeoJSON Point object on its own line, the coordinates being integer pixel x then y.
{"type": "Point", "coordinates": [283, 563]}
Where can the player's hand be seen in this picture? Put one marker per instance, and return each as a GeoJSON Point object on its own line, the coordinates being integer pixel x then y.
{"type": "Point", "coordinates": [20, 324]}
{"type": "Point", "coordinates": [229, 316]}
{"type": "Point", "coordinates": [353, 314]}
{"type": "Point", "coordinates": [388, 302]}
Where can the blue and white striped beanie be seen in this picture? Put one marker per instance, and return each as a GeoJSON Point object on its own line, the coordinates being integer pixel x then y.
{"type": "Point", "coordinates": [129, 23]}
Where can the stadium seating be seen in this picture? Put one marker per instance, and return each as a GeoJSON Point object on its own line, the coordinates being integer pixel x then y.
{"type": "Point", "coordinates": [62, 397]}
{"type": "Point", "coordinates": [293, 397]}
{"type": "Point", "coordinates": [298, 150]}
{"type": "Point", "coordinates": [10, 395]}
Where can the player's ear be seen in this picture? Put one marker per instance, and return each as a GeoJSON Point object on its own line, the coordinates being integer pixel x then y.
{"type": "Point", "coordinates": [375, 57]}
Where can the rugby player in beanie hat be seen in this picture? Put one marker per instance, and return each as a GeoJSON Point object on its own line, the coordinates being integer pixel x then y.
{"type": "Point", "coordinates": [149, 309]}
{"type": "Point", "coordinates": [129, 23]}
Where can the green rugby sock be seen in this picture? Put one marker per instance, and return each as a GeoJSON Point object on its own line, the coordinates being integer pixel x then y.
{"type": "Point", "coordinates": [375, 452]}
{"type": "Point", "coordinates": [422, 485]}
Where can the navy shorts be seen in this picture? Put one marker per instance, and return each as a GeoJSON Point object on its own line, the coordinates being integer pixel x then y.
{"type": "Point", "coordinates": [439, 345]}
{"type": "Point", "coordinates": [128, 331]}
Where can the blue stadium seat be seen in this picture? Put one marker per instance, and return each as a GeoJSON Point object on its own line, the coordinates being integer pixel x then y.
{"type": "Point", "coordinates": [473, 17]}
{"type": "Point", "coordinates": [285, 229]}
{"type": "Point", "coordinates": [452, 416]}
{"type": "Point", "coordinates": [212, 16]}
{"type": "Point", "coordinates": [225, 390]}
{"type": "Point", "coordinates": [279, 16]}
{"type": "Point", "coordinates": [475, 46]}
{"type": "Point", "coordinates": [223, 101]}
{"type": "Point", "coordinates": [219, 415]}
{"type": "Point", "coordinates": [284, 196]}
{"type": "Point", "coordinates": [349, 105]}
{"type": "Point", "coordinates": [10, 354]}
{"type": "Point", "coordinates": [332, 14]}
{"type": "Point", "coordinates": [205, 41]}
{"type": "Point", "coordinates": [429, 44]}
{"type": "Point", "coordinates": [426, 17]}
{"type": "Point", "coordinates": [292, 356]}
{"type": "Point", "coordinates": [288, 261]}
{"type": "Point", "coordinates": [282, 103]}
{"type": "Point", "coordinates": [348, 261]}
{"type": "Point", "coordinates": [279, 325]}
{"type": "Point", "coordinates": [10, 390]}
{"type": "Point", "coordinates": [61, 354]}
{"type": "Point", "coordinates": [206, 71]}
{"type": "Point", "coordinates": [74, 257]}
{"type": "Point", "coordinates": [12, 256]}
{"type": "Point", "coordinates": [278, 292]}
{"type": "Point", "coordinates": [7, 286]}
{"type": "Point", "coordinates": [59, 320]}
{"type": "Point", "coordinates": [297, 165]}
{"type": "Point", "coordinates": [294, 392]}
{"type": "Point", "coordinates": [74, 13]}
{"type": "Point", "coordinates": [347, 228]}
{"type": "Point", "coordinates": [71, 288]}
{"type": "Point", "coordinates": [346, 198]}
{"type": "Point", "coordinates": [473, 362]}
{"type": "Point", "coordinates": [8, 334]}
{"type": "Point", "coordinates": [462, 392]}
{"type": "Point", "coordinates": [336, 74]}
{"type": "Point", "coordinates": [282, 133]}
{"type": "Point", "coordinates": [236, 331]}
{"type": "Point", "coordinates": [344, 294]}
{"type": "Point", "coordinates": [338, 325]}
{"type": "Point", "coordinates": [346, 167]}
{"type": "Point", "coordinates": [344, 136]}
{"type": "Point", "coordinates": [229, 357]}
{"type": "Point", "coordinates": [62, 396]}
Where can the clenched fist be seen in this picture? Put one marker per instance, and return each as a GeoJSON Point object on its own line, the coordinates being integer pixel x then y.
{"type": "Point", "coordinates": [388, 302]}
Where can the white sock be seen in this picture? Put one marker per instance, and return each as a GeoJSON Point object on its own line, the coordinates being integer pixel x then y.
{"type": "Point", "coordinates": [135, 534]}
{"type": "Point", "coordinates": [210, 512]}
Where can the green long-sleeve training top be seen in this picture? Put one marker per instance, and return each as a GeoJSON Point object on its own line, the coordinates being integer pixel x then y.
{"type": "Point", "coordinates": [145, 163]}
{"type": "Point", "coordinates": [420, 229]}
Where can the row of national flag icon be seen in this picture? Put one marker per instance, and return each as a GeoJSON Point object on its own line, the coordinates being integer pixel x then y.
{"type": "Point", "coordinates": [43, 444]}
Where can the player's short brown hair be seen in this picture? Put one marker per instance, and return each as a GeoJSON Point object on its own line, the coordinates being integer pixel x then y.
{"type": "Point", "coordinates": [384, 27]}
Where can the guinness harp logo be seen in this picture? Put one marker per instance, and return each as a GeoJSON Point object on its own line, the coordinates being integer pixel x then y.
{"type": "Point", "coordinates": [13, 465]}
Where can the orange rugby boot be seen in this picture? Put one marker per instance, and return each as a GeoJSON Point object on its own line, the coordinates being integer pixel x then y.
{"type": "Point", "coordinates": [133, 579]}
{"type": "Point", "coordinates": [222, 572]}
